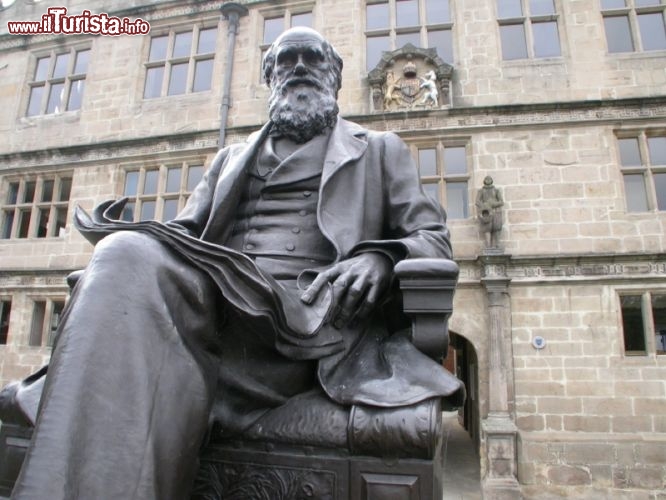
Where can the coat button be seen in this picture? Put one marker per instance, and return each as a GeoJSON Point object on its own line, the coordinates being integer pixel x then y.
{"type": "Point", "coordinates": [290, 246]}
{"type": "Point", "coordinates": [249, 246]}
{"type": "Point", "coordinates": [307, 193]}
{"type": "Point", "coordinates": [295, 230]}
{"type": "Point", "coordinates": [302, 213]}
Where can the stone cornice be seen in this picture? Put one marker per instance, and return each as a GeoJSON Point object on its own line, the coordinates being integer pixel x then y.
{"type": "Point", "coordinates": [196, 143]}
{"type": "Point", "coordinates": [520, 270]}
{"type": "Point", "coordinates": [473, 119]}
{"type": "Point", "coordinates": [408, 124]}
{"type": "Point", "coordinates": [529, 270]}
{"type": "Point", "coordinates": [52, 279]}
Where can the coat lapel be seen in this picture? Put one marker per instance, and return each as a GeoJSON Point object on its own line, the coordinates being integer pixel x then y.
{"type": "Point", "coordinates": [305, 163]}
{"type": "Point", "coordinates": [344, 146]}
{"type": "Point", "coordinates": [227, 190]}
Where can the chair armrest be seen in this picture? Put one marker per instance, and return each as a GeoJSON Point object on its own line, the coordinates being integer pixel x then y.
{"type": "Point", "coordinates": [427, 287]}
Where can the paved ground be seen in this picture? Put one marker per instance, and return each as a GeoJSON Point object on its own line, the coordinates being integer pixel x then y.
{"type": "Point", "coordinates": [461, 462]}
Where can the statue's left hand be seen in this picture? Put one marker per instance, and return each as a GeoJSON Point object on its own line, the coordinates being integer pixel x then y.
{"type": "Point", "coordinates": [358, 283]}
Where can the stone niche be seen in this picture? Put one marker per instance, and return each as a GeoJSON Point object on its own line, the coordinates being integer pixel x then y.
{"type": "Point", "coordinates": [410, 78]}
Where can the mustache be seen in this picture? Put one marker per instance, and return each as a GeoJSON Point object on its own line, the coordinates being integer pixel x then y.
{"type": "Point", "coordinates": [295, 81]}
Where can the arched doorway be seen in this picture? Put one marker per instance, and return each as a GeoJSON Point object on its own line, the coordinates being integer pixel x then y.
{"type": "Point", "coordinates": [467, 369]}
{"type": "Point", "coordinates": [462, 474]}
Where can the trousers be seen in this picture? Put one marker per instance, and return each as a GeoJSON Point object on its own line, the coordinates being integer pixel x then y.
{"type": "Point", "coordinates": [131, 381]}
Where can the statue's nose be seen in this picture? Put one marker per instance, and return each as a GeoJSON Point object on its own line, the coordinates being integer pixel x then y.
{"type": "Point", "coordinates": [300, 68]}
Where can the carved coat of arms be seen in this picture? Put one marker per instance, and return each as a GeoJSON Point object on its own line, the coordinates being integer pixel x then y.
{"type": "Point", "coordinates": [410, 85]}
{"type": "Point", "coordinates": [424, 84]}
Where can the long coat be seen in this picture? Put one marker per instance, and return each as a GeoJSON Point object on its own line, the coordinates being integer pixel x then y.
{"type": "Point", "coordinates": [370, 198]}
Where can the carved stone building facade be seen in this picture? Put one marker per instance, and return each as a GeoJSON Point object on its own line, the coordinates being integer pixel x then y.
{"type": "Point", "coordinates": [560, 333]}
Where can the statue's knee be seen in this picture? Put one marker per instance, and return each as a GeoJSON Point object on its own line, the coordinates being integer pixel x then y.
{"type": "Point", "coordinates": [126, 249]}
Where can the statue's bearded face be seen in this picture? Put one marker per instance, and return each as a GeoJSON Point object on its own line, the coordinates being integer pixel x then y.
{"type": "Point", "coordinates": [303, 89]}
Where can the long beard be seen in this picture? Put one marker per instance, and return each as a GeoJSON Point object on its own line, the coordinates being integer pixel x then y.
{"type": "Point", "coordinates": [302, 112]}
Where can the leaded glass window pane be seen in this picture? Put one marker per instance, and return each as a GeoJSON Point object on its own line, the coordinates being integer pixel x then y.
{"type": "Point", "coordinates": [178, 79]}
{"type": "Point", "coordinates": [150, 182]}
{"type": "Point", "coordinates": [207, 39]}
{"type": "Point", "coordinates": [657, 149]}
{"type": "Point", "coordinates": [632, 323]}
{"type": "Point", "coordinates": [546, 39]}
{"type": "Point", "coordinates": [618, 34]}
{"type": "Point", "coordinates": [541, 7]}
{"type": "Point", "coordinates": [158, 48]}
{"type": "Point", "coordinates": [427, 162]}
{"type": "Point", "coordinates": [182, 44]}
{"type": "Point", "coordinates": [630, 155]}
{"type": "Point", "coordinates": [377, 16]}
{"type": "Point", "coordinates": [634, 187]}
{"type": "Point", "coordinates": [154, 78]}
{"type": "Point", "coordinates": [653, 34]}
{"type": "Point", "coordinates": [513, 41]}
{"type": "Point", "coordinates": [660, 189]}
{"type": "Point", "coordinates": [437, 11]}
{"type": "Point", "coordinates": [455, 160]}
{"type": "Point", "coordinates": [507, 9]}
{"type": "Point", "coordinates": [203, 75]}
{"type": "Point", "coordinates": [456, 200]}
{"type": "Point", "coordinates": [407, 13]}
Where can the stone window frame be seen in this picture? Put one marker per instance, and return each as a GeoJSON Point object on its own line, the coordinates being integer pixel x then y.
{"type": "Point", "coordinates": [630, 11]}
{"type": "Point", "coordinates": [5, 318]}
{"type": "Point", "coordinates": [46, 314]}
{"type": "Point", "coordinates": [392, 31]}
{"type": "Point", "coordinates": [441, 179]}
{"type": "Point", "coordinates": [653, 175]}
{"type": "Point", "coordinates": [170, 60]}
{"type": "Point", "coordinates": [27, 194]}
{"type": "Point", "coordinates": [48, 75]}
{"type": "Point", "coordinates": [646, 300]}
{"type": "Point", "coordinates": [160, 199]}
{"type": "Point", "coordinates": [287, 15]}
{"type": "Point", "coordinates": [529, 22]}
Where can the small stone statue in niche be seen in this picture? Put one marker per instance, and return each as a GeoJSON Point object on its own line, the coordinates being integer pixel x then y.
{"type": "Point", "coordinates": [488, 208]}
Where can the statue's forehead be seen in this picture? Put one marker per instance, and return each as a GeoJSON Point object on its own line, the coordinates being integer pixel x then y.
{"type": "Point", "coordinates": [299, 40]}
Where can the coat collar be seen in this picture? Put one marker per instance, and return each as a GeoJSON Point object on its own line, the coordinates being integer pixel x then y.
{"type": "Point", "coordinates": [304, 163]}
{"type": "Point", "coordinates": [348, 142]}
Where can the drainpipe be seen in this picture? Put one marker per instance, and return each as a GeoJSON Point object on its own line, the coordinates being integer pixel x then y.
{"type": "Point", "coordinates": [232, 12]}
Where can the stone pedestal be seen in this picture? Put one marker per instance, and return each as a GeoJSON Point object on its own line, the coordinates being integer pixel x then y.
{"type": "Point", "coordinates": [501, 481]}
{"type": "Point", "coordinates": [499, 430]}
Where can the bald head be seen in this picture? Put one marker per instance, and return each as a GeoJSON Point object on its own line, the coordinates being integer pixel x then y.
{"type": "Point", "coordinates": [299, 34]}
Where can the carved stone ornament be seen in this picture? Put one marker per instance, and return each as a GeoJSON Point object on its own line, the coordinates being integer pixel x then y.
{"type": "Point", "coordinates": [410, 78]}
{"type": "Point", "coordinates": [225, 481]}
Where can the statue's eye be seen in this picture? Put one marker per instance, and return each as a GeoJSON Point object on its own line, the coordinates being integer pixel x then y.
{"type": "Point", "coordinates": [313, 56]}
{"type": "Point", "coordinates": [287, 58]}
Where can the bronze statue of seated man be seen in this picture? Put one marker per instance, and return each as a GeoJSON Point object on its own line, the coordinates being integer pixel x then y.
{"type": "Point", "coordinates": [272, 283]}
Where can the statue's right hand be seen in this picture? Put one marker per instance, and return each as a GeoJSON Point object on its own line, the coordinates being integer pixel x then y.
{"type": "Point", "coordinates": [358, 283]}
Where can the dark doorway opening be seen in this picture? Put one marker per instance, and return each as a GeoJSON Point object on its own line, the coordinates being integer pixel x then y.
{"type": "Point", "coordinates": [462, 361]}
